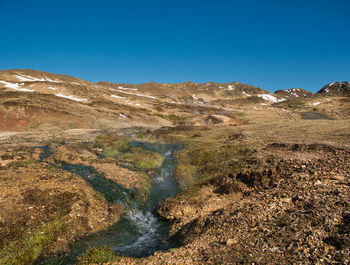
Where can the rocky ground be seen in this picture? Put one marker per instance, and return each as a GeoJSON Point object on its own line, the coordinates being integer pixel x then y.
{"type": "Point", "coordinates": [47, 200]}
{"type": "Point", "coordinates": [264, 177]}
{"type": "Point", "coordinates": [289, 204]}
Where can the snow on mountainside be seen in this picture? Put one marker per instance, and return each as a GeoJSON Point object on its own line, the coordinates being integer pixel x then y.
{"type": "Point", "coordinates": [198, 93]}
{"type": "Point", "coordinates": [31, 98]}
{"type": "Point", "coordinates": [293, 93]}
{"type": "Point", "coordinates": [336, 89]}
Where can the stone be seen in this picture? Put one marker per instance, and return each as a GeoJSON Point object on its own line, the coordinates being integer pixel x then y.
{"type": "Point", "coordinates": [231, 241]}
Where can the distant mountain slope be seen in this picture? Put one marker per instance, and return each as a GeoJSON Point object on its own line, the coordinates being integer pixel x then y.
{"type": "Point", "coordinates": [198, 93]}
{"type": "Point", "coordinates": [336, 89]}
{"type": "Point", "coordinates": [293, 93]}
{"type": "Point", "coordinates": [31, 99]}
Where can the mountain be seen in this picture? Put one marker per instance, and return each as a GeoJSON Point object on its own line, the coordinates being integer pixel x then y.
{"type": "Point", "coordinates": [336, 89]}
{"type": "Point", "coordinates": [235, 170]}
{"type": "Point", "coordinates": [32, 99]}
{"type": "Point", "coordinates": [293, 93]}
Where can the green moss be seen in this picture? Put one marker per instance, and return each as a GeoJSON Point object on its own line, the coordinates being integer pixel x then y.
{"type": "Point", "coordinates": [52, 168]}
{"type": "Point", "coordinates": [186, 175]}
{"type": "Point", "coordinates": [175, 119]}
{"type": "Point", "coordinates": [30, 248]}
{"type": "Point", "coordinates": [99, 196]}
{"type": "Point", "coordinates": [192, 193]}
{"type": "Point", "coordinates": [142, 159]}
{"type": "Point", "coordinates": [23, 163]}
{"type": "Point", "coordinates": [98, 256]}
{"type": "Point", "coordinates": [200, 162]}
{"type": "Point", "coordinates": [112, 145]}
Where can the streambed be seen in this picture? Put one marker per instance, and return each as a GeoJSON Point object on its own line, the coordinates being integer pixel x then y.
{"type": "Point", "coordinates": [139, 232]}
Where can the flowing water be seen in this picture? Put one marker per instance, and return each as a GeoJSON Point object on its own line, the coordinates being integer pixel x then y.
{"type": "Point", "coordinates": [140, 232]}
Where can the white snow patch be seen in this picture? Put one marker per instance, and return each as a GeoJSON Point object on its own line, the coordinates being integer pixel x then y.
{"type": "Point", "coordinates": [194, 96]}
{"type": "Point", "coordinates": [230, 87]}
{"type": "Point", "coordinates": [316, 103]}
{"type": "Point", "coordinates": [135, 94]}
{"type": "Point", "coordinates": [115, 96]}
{"type": "Point", "coordinates": [70, 97]}
{"type": "Point", "coordinates": [122, 115]}
{"type": "Point", "coordinates": [27, 78]}
{"type": "Point", "coordinates": [271, 98]}
{"type": "Point", "coordinates": [246, 94]}
{"type": "Point", "coordinates": [126, 88]}
{"type": "Point", "coordinates": [52, 88]}
{"type": "Point", "coordinates": [16, 87]}
{"type": "Point", "coordinates": [331, 84]}
{"type": "Point", "coordinates": [130, 103]}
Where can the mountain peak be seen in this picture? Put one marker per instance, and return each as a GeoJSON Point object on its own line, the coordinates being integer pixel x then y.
{"type": "Point", "coordinates": [336, 89]}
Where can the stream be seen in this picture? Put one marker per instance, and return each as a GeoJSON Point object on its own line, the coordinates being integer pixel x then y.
{"type": "Point", "coordinates": [139, 232]}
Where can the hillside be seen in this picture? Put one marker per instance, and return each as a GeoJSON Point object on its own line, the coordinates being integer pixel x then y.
{"type": "Point", "coordinates": [32, 99]}
{"type": "Point", "coordinates": [188, 173]}
{"type": "Point", "coordinates": [336, 89]}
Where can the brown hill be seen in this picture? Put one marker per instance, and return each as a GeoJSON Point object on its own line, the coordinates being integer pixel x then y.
{"type": "Point", "coordinates": [336, 89]}
{"type": "Point", "coordinates": [293, 93]}
{"type": "Point", "coordinates": [32, 99]}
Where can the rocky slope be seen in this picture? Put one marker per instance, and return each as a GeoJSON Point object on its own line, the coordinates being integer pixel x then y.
{"type": "Point", "coordinates": [33, 100]}
{"type": "Point", "coordinates": [293, 93]}
{"type": "Point", "coordinates": [264, 177]}
{"type": "Point", "coordinates": [336, 89]}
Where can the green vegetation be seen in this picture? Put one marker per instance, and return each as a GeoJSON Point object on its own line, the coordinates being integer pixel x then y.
{"type": "Point", "coordinates": [207, 153]}
{"type": "Point", "coordinates": [52, 168]}
{"type": "Point", "coordinates": [175, 119]}
{"type": "Point", "coordinates": [204, 162]}
{"type": "Point", "coordinates": [23, 163]}
{"type": "Point", "coordinates": [186, 175]}
{"type": "Point", "coordinates": [118, 147]}
{"type": "Point", "coordinates": [97, 256]}
{"type": "Point", "coordinates": [112, 145]}
{"type": "Point", "coordinates": [99, 196]}
{"type": "Point", "coordinates": [30, 248]}
{"type": "Point", "coordinates": [142, 159]}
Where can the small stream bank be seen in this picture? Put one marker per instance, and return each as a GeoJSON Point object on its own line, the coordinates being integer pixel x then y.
{"type": "Point", "coordinates": [139, 232]}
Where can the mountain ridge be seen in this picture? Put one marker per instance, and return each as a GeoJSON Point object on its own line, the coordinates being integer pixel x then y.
{"type": "Point", "coordinates": [32, 99]}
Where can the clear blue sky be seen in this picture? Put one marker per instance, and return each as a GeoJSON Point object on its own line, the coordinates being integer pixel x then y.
{"type": "Point", "coordinates": [271, 44]}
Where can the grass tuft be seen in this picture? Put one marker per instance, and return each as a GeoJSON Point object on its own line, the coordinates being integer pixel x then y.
{"type": "Point", "coordinates": [112, 145]}
{"type": "Point", "coordinates": [30, 248]}
{"type": "Point", "coordinates": [142, 159]}
{"type": "Point", "coordinates": [97, 255]}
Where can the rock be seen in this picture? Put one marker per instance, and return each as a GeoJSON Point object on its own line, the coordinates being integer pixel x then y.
{"type": "Point", "coordinates": [231, 242]}
{"type": "Point", "coordinates": [274, 249]}
{"type": "Point", "coordinates": [287, 200]}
